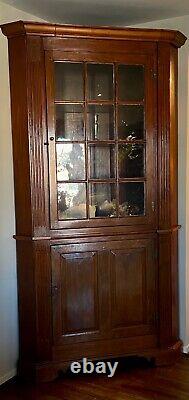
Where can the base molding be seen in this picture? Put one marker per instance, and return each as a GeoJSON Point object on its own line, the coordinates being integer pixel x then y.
{"type": "Point", "coordinates": [46, 372]}
{"type": "Point", "coordinates": [9, 375]}
{"type": "Point", "coordinates": [168, 356]}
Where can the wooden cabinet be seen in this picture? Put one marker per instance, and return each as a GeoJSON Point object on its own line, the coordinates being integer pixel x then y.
{"type": "Point", "coordinates": [94, 121]}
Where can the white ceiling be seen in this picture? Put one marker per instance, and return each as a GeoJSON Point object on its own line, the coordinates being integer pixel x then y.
{"type": "Point", "coordinates": [102, 12]}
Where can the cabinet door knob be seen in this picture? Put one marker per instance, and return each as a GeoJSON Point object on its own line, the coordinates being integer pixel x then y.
{"type": "Point", "coordinates": [51, 138]}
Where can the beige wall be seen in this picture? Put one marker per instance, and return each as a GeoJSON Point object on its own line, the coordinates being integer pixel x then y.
{"type": "Point", "coordinates": [8, 284]}
{"type": "Point", "coordinates": [182, 24]}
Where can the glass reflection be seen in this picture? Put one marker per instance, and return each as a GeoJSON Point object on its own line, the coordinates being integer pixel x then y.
{"type": "Point", "coordinates": [100, 122]}
{"type": "Point", "coordinates": [102, 162]}
{"type": "Point", "coordinates": [68, 81]}
{"type": "Point", "coordinates": [131, 82]}
{"type": "Point", "coordinates": [131, 122]}
{"type": "Point", "coordinates": [69, 122]}
{"type": "Point", "coordinates": [100, 81]}
{"type": "Point", "coordinates": [131, 199]}
{"type": "Point", "coordinates": [72, 200]}
{"type": "Point", "coordinates": [102, 198]}
{"type": "Point", "coordinates": [131, 160]}
{"type": "Point", "coordinates": [70, 161]}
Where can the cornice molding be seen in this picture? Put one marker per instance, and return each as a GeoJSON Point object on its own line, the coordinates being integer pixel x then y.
{"type": "Point", "coordinates": [18, 28]}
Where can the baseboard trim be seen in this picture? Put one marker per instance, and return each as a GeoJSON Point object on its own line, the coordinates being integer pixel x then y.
{"type": "Point", "coordinates": [6, 377]}
{"type": "Point", "coordinates": [186, 349]}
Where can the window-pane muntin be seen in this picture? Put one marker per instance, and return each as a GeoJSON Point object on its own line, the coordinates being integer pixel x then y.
{"type": "Point", "coordinates": [90, 119]}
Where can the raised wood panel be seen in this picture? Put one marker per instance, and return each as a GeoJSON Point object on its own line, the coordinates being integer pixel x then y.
{"type": "Point", "coordinates": [76, 290]}
{"type": "Point", "coordinates": [79, 293]}
{"type": "Point", "coordinates": [128, 287]}
{"type": "Point", "coordinates": [133, 288]}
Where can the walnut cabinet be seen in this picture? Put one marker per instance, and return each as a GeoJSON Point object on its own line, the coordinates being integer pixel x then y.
{"type": "Point", "coordinates": [94, 123]}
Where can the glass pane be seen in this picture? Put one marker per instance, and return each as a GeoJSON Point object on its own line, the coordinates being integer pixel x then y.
{"type": "Point", "coordinates": [131, 160]}
{"type": "Point", "coordinates": [100, 122]}
{"type": "Point", "coordinates": [70, 161]}
{"type": "Point", "coordinates": [131, 82]}
{"type": "Point", "coordinates": [102, 162]}
{"type": "Point", "coordinates": [72, 200]}
{"type": "Point", "coordinates": [130, 122]}
{"type": "Point", "coordinates": [69, 122]}
{"type": "Point", "coordinates": [68, 81]}
{"type": "Point", "coordinates": [100, 82]}
{"type": "Point", "coordinates": [102, 198]}
{"type": "Point", "coordinates": [131, 199]}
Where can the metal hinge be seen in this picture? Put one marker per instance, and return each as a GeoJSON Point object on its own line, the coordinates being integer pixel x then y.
{"type": "Point", "coordinates": [153, 206]}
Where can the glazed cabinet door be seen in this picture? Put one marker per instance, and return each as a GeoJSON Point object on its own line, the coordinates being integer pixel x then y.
{"type": "Point", "coordinates": [102, 120]}
{"type": "Point", "coordinates": [104, 290]}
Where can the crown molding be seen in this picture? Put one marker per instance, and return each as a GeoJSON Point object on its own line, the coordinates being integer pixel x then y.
{"type": "Point", "coordinates": [18, 28]}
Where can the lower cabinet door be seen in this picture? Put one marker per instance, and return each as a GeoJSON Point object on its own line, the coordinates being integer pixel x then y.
{"type": "Point", "coordinates": [78, 294]}
{"type": "Point", "coordinates": [104, 290]}
{"type": "Point", "coordinates": [133, 288]}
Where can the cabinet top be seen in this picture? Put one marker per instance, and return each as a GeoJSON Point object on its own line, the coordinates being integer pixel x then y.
{"type": "Point", "coordinates": [96, 32]}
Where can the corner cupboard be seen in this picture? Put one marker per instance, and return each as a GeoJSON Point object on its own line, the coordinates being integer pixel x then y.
{"type": "Point", "coordinates": [94, 122]}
